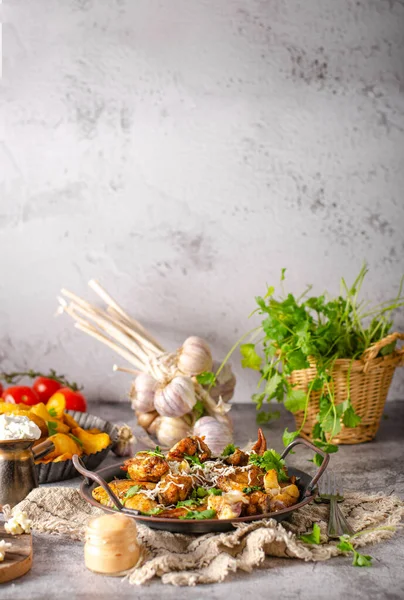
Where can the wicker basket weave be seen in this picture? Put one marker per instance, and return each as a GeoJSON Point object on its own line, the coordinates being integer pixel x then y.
{"type": "Point", "coordinates": [370, 380]}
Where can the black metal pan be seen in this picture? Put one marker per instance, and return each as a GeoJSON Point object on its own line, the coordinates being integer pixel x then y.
{"type": "Point", "coordinates": [306, 484]}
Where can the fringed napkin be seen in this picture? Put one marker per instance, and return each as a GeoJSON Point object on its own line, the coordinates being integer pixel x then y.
{"type": "Point", "coordinates": [189, 559]}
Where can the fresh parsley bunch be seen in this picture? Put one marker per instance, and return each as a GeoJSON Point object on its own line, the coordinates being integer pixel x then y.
{"type": "Point", "coordinates": [298, 332]}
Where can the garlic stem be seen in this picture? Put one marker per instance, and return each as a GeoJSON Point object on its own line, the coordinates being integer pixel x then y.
{"type": "Point", "coordinates": [128, 327]}
{"type": "Point", "coordinates": [124, 353]}
{"type": "Point", "coordinates": [125, 370]}
{"type": "Point", "coordinates": [103, 294]}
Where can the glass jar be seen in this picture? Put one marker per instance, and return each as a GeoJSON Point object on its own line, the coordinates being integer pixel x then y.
{"type": "Point", "coordinates": [111, 546]}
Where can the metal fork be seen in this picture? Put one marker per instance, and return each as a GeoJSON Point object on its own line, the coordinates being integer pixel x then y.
{"type": "Point", "coordinates": [331, 491]}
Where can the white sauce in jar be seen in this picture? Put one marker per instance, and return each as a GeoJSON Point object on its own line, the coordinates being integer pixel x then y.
{"type": "Point", "coordinates": [18, 427]}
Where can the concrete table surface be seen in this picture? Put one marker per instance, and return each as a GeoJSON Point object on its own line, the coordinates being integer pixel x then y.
{"type": "Point", "coordinates": [59, 572]}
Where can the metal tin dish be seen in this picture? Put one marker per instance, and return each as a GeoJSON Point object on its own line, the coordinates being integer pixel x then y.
{"type": "Point", "coordinates": [306, 483]}
{"type": "Point", "coordinates": [61, 471]}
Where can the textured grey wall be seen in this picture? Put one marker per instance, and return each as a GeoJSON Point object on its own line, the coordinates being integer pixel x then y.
{"type": "Point", "coordinates": [182, 152]}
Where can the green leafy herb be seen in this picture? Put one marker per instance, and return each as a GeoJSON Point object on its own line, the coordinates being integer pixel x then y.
{"type": "Point", "coordinates": [251, 488]}
{"type": "Point", "coordinates": [193, 459]}
{"type": "Point", "coordinates": [270, 460]}
{"type": "Point", "coordinates": [204, 514]}
{"type": "Point", "coordinates": [200, 492]}
{"type": "Point", "coordinates": [313, 537]}
{"type": "Point", "coordinates": [52, 412]}
{"type": "Point", "coordinates": [229, 449]}
{"type": "Point", "coordinates": [153, 512]}
{"type": "Point", "coordinates": [76, 439]}
{"type": "Point", "coordinates": [302, 331]}
{"type": "Point", "coordinates": [289, 436]}
{"type": "Point", "coordinates": [52, 427]}
{"type": "Point", "coordinates": [128, 476]}
{"type": "Point", "coordinates": [206, 378]}
{"type": "Point", "coordinates": [199, 409]}
{"type": "Point", "coordinates": [190, 502]}
{"type": "Point", "coordinates": [132, 491]}
{"type": "Point", "coordinates": [250, 359]}
{"type": "Point", "coordinates": [156, 452]}
{"type": "Point", "coordinates": [264, 417]}
{"type": "Point", "coordinates": [214, 492]}
{"type": "Point", "coordinates": [359, 560]}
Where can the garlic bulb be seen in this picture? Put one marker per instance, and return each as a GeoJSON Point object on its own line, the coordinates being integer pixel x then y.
{"type": "Point", "coordinates": [142, 392]}
{"type": "Point", "coordinates": [225, 383]}
{"type": "Point", "coordinates": [125, 442]}
{"type": "Point", "coordinates": [195, 356]}
{"type": "Point", "coordinates": [170, 430]}
{"type": "Point", "coordinates": [217, 434]}
{"type": "Point", "coordinates": [175, 399]}
{"type": "Point", "coordinates": [145, 420]}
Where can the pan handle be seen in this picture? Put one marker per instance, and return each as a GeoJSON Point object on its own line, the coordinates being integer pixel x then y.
{"type": "Point", "coordinates": [324, 464]}
{"type": "Point", "coordinates": [90, 475]}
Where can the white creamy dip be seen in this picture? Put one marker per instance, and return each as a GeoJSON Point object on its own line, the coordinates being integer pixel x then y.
{"type": "Point", "coordinates": [18, 427]}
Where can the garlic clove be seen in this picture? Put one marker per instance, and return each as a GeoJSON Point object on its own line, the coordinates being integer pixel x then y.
{"type": "Point", "coordinates": [225, 383]}
{"type": "Point", "coordinates": [142, 392]}
{"type": "Point", "coordinates": [145, 420]}
{"type": "Point", "coordinates": [170, 430]}
{"type": "Point", "coordinates": [195, 356]}
{"type": "Point", "coordinates": [125, 442]}
{"type": "Point", "coordinates": [217, 434]}
{"type": "Point", "coordinates": [175, 399]}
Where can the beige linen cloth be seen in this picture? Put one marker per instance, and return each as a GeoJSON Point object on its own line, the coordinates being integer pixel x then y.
{"type": "Point", "coordinates": [189, 559]}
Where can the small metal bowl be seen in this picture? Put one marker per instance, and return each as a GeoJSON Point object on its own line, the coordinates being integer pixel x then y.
{"type": "Point", "coordinates": [62, 471]}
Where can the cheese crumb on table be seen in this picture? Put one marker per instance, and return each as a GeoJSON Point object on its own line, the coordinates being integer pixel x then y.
{"type": "Point", "coordinates": [18, 523]}
{"type": "Point", "coordinates": [3, 548]}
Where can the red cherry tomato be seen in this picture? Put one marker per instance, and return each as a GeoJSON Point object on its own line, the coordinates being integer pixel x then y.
{"type": "Point", "coordinates": [45, 388]}
{"type": "Point", "coordinates": [74, 400]}
{"type": "Point", "coordinates": [20, 394]}
{"type": "Point", "coordinates": [1, 389]}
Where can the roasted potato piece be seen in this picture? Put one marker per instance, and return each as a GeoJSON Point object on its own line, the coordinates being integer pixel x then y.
{"type": "Point", "coordinates": [68, 420]}
{"type": "Point", "coordinates": [289, 495]}
{"type": "Point", "coordinates": [41, 410]}
{"type": "Point", "coordinates": [119, 487]}
{"type": "Point", "coordinates": [271, 483]}
{"type": "Point", "coordinates": [259, 503]}
{"type": "Point", "coordinates": [57, 404]}
{"type": "Point", "coordinates": [176, 513]}
{"type": "Point", "coordinates": [228, 506]}
{"type": "Point", "coordinates": [146, 467]}
{"type": "Point", "coordinates": [241, 479]}
{"type": "Point", "coordinates": [190, 445]}
{"type": "Point", "coordinates": [60, 426]}
{"type": "Point", "coordinates": [92, 443]}
{"type": "Point", "coordinates": [176, 488]}
{"type": "Point", "coordinates": [140, 502]}
{"type": "Point", "coordinates": [237, 459]}
{"type": "Point", "coordinates": [8, 407]}
{"type": "Point", "coordinates": [63, 457]}
{"type": "Point", "coordinates": [64, 444]}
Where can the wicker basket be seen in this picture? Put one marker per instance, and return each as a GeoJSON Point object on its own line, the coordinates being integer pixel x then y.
{"type": "Point", "coordinates": [370, 380]}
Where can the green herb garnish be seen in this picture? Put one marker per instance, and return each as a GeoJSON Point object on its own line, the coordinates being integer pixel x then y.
{"type": "Point", "coordinates": [200, 492]}
{"type": "Point", "coordinates": [52, 427]}
{"type": "Point", "coordinates": [214, 492]}
{"type": "Point", "coordinates": [313, 537]}
{"type": "Point", "coordinates": [206, 378]}
{"type": "Point", "coordinates": [188, 503]}
{"type": "Point", "coordinates": [198, 409]}
{"type": "Point", "coordinates": [251, 488]}
{"type": "Point", "coordinates": [359, 560]}
{"type": "Point", "coordinates": [132, 491]}
{"type": "Point", "coordinates": [52, 412]}
{"type": "Point", "coordinates": [229, 449]}
{"type": "Point", "coordinates": [156, 452]}
{"type": "Point", "coordinates": [193, 459]}
{"type": "Point", "coordinates": [270, 460]}
{"type": "Point", "coordinates": [204, 514]}
{"type": "Point", "coordinates": [152, 512]}
{"type": "Point", "coordinates": [76, 439]}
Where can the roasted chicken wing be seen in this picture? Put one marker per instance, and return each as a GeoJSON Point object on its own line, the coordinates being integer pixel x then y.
{"type": "Point", "coordinates": [237, 459]}
{"type": "Point", "coordinates": [146, 467]}
{"type": "Point", "coordinates": [258, 503]}
{"type": "Point", "coordinates": [174, 488]}
{"type": "Point", "coordinates": [191, 446]}
{"type": "Point", "coordinates": [241, 478]}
